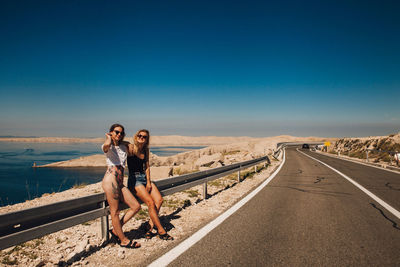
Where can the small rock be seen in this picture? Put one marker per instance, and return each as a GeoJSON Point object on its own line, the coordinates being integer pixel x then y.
{"type": "Point", "coordinates": [121, 254]}
{"type": "Point", "coordinates": [56, 259]}
{"type": "Point", "coordinates": [81, 246]}
{"type": "Point", "coordinates": [71, 257]}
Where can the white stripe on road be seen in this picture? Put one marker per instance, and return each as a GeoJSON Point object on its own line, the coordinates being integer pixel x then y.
{"type": "Point", "coordinates": [185, 245]}
{"type": "Point", "coordinates": [358, 162]}
{"type": "Point", "coordinates": [373, 196]}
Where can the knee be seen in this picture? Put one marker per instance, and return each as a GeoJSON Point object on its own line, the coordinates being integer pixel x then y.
{"type": "Point", "coordinates": [136, 208]}
{"type": "Point", "coordinates": [150, 203]}
{"type": "Point", "coordinates": [114, 213]}
{"type": "Point", "coordinates": [159, 202]}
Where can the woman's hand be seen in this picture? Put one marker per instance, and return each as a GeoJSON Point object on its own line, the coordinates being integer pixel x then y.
{"type": "Point", "coordinates": [107, 143]}
{"type": "Point", "coordinates": [148, 186]}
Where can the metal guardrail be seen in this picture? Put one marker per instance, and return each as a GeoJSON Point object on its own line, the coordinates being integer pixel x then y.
{"type": "Point", "coordinates": [21, 226]}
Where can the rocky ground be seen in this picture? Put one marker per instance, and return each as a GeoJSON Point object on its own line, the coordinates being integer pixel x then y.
{"type": "Point", "coordinates": [380, 148]}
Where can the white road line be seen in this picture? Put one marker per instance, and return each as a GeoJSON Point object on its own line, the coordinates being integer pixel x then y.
{"type": "Point", "coordinates": [359, 162]}
{"type": "Point", "coordinates": [171, 255]}
{"type": "Point", "coordinates": [373, 196]}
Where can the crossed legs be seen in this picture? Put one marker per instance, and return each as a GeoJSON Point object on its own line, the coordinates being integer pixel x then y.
{"type": "Point", "coordinates": [114, 194]}
{"type": "Point", "coordinates": [153, 201]}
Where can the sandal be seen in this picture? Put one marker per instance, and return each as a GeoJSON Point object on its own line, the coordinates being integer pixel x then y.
{"type": "Point", "coordinates": [165, 236]}
{"type": "Point", "coordinates": [148, 235]}
{"type": "Point", "coordinates": [114, 237]}
{"type": "Point", "coordinates": [131, 245]}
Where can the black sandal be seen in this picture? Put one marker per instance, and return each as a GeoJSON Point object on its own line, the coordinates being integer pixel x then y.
{"type": "Point", "coordinates": [165, 236]}
{"type": "Point", "coordinates": [150, 233]}
{"type": "Point", "coordinates": [131, 245]}
{"type": "Point", "coordinates": [114, 237]}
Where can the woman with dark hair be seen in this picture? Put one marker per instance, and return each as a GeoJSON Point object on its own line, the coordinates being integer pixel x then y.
{"type": "Point", "coordinates": [116, 151]}
{"type": "Point", "coordinates": [140, 184]}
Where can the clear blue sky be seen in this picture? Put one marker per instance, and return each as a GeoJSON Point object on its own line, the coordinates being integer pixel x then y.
{"type": "Point", "coordinates": [254, 68]}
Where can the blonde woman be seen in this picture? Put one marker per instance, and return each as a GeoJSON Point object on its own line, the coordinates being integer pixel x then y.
{"type": "Point", "coordinates": [140, 184]}
{"type": "Point", "coordinates": [116, 151]}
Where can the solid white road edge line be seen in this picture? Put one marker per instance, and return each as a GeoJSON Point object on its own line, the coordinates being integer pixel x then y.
{"type": "Point", "coordinates": [358, 162]}
{"type": "Point", "coordinates": [373, 196]}
{"type": "Point", "coordinates": [186, 244]}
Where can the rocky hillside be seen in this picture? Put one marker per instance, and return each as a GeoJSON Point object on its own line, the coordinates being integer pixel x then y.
{"type": "Point", "coordinates": [357, 147]}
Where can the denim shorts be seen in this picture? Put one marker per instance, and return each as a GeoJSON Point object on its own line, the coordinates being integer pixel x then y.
{"type": "Point", "coordinates": [136, 179]}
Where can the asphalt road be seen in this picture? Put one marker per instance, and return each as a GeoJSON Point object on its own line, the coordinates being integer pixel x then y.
{"type": "Point", "coordinates": [309, 216]}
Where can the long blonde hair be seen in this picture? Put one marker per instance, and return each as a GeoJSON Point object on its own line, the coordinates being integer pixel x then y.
{"type": "Point", "coordinates": [141, 148]}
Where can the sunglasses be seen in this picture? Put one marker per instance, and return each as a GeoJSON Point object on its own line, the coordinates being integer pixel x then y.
{"type": "Point", "coordinates": [142, 136]}
{"type": "Point", "coordinates": [118, 132]}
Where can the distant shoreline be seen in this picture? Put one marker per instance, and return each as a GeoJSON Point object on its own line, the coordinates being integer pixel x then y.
{"type": "Point", "coordinates": [50, 140]}
{"type": "Point", "coordinates": [172, 140]}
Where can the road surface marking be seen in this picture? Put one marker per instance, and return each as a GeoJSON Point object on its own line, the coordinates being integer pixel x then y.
{"type": "Point", "coordinates": [358, 162]}
{"type": "Point", "coordinates": [373, 196]}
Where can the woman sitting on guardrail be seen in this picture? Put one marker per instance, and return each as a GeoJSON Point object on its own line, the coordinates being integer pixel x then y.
{"type": "Point", "coordinates": [116, 151]}
{"type": "Point", "coordinates": [140, 184]}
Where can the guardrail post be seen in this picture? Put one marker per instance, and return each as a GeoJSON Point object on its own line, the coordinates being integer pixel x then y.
{"type": "Point", "coordinates": [239, 175]}
{"type": "Point", "coordinates": [205, 190]}
{"type": "Point", "coordinates": [367, 155]}
{"type": "Point", "coordinates": [255, 168]}
{"type": "Point", "coordinates": [104, 223]}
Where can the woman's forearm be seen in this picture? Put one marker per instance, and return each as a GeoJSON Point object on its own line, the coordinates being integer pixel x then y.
{"type": "Point", "coordinates": [148, 174]}
{"type": "Point", "coordinates": [107, 143]}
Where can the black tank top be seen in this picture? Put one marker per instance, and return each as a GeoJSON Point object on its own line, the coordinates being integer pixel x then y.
{"type": "Point", "coordinates": [136, 164]}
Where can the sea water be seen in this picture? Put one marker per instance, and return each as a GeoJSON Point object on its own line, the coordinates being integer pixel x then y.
{"type": "Point", "coordinates": [20, 182]}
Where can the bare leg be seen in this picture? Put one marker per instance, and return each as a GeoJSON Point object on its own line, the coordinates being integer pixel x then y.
{"type": "Point", "coordinates": [133, 204]}
{"type": "Point", "coordinates": [113, 195]}
{"type": "Point", "coordinates": [158, 200]}
{"type": "Point", "coordinates": [156, 196]}
{"type": "Point", "coordinates": [146, 198]}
